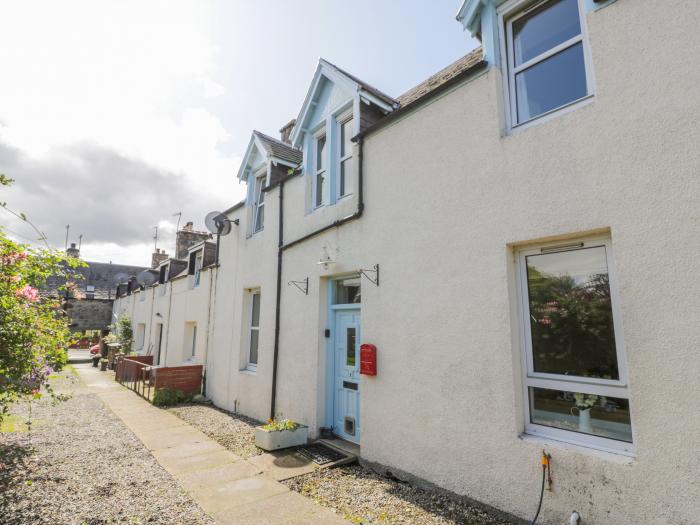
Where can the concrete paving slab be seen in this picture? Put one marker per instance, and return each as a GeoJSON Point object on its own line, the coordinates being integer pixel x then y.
{"type": "Point", "coordinates": [188, 463]}
{"type": "Point", "coordinates": [289, 508]}
{"type": "Point", "coordinates": [190, 449]}
{"type": "Point", "coordinates": [281, 465]}
{"type": "Point", "coordinates": [148, 425]}
{"type": "Point", "coordinates": [219, 498]}
{"type": "Point", "coordinates": [168, 438]}
{"type": "Point", "coordinates": [218, 475]}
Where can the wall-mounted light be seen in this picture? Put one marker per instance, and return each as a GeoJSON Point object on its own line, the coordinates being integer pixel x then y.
{"type": "Point", "coordinates": [326, 259]}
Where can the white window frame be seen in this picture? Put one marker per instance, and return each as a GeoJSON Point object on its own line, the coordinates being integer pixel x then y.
{"type": "Point", "coordinates": [191, 330]}
{"type": "Point", "coordinates": [251, 300]}
{"type": "Point", "coordinates": [163, 287]}
{"type": "Point", "coordinates": [321, 134]}
{"type": "Point", "coordinates": [340, 121]}
{"type": "Point", "coordinates": [198, 264]}
{"type": "Point", "coordinates": [258, 194]}
{"type": "Point", "coordinates": [605, 387]}
{"type": "Point", "coordinates": [140, 335]}
{"type": "Point", "coordinates": [507, 14]}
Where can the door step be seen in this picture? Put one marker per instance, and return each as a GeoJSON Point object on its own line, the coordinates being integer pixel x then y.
{"type": "Point", "coordinates": [346, 447]}
{"type": "Point", "coordinates": [326, 454]}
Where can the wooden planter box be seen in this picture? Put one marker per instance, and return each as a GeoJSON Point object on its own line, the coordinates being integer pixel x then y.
{"type": "Point", "coordinates": [275, 440]}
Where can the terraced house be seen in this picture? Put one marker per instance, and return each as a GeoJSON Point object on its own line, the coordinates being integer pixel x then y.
{"type": "Point", "coordinates": [516, 238]}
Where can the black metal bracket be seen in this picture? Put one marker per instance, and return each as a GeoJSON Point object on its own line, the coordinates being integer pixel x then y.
{"type": "Point", "coordinates": [303, 286]}
{"type": "Point", "coordinates": [371, 278]}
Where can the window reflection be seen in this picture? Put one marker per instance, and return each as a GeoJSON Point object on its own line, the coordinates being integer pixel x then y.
{"type": "Point", "coordinates": [350, 349]}
{"type": "Point", "coordinates": [347, 291]}
{"type": "Point", "coordinates": [571, 318]}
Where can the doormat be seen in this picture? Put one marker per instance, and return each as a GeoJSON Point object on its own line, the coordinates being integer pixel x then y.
{"type": "Point", "coordinates": [320, 453]}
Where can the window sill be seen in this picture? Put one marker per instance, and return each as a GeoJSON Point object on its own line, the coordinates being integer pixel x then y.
{"type": "Point", "coordinates": [249, 371]}
{"type": "Point", "coordinates": [615, 456]}
{"type": "Point", "coordinates": [550, 115]}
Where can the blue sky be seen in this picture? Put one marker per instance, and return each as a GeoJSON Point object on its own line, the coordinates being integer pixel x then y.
{"type": "Point", "coordinates": [113, 116]}
{"type": "Point", "coordinates": [272, 48]}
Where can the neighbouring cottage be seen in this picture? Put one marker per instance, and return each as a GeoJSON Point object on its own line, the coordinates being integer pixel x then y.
{"type": "Point", "coordinates": [89, 302]}
{"type": "Point", "coordinates": [516, 236]}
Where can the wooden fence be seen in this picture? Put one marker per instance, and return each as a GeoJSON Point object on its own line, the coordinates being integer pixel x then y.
{"type": "Point", "coordinates": [186, 378]}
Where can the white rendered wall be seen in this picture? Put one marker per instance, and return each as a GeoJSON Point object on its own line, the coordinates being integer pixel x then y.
{"type": "Point", "coordinates": [447, 198]}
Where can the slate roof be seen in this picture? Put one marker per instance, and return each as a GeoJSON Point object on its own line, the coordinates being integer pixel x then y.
{"type": "Point", "coordinates": [279, 149]}
{"type": "Point", "coordinates": [442, 76]}
{"type": "Point", "coordinates": [98, 274]}
{"type": "Point", "coordinates": [367, 87]}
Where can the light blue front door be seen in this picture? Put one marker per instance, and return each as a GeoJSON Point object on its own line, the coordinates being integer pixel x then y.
{"type": "Point", "coordinates": [346, 405]}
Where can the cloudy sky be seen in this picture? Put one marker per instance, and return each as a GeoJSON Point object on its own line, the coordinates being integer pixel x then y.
{"type": "Point", "coordinates": [116, 115]}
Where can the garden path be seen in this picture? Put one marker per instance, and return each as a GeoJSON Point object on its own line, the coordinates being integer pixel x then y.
{"type": "Point", "coordinates": [228, 488]}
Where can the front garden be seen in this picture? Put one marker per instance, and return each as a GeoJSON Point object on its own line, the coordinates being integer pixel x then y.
{"type": "Point", "coordinates": [360, 494]}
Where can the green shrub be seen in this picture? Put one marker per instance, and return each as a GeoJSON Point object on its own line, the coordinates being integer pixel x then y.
{"type": "Point", "coordinates": [168, 397]}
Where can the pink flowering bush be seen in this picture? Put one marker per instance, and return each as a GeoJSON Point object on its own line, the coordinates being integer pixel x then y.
{"type": "Point", "coordinates": [28, 293]}
{"type": "Point", "coordinates": [34, 330]}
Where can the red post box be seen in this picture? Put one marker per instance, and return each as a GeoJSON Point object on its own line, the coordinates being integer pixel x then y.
{"type": "Point", "coordinates": [368, 360]}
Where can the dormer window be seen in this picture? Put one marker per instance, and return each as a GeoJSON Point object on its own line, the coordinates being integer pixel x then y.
{"type": "Point", "coordinates": [547, 59]}
{"type": "Point", "coordinates": [163, 278]}
{"type": "Point", "coordinates": [195, 267]}
{"type": "Point", "coordinates": [319, 170]}
{"type": "Point", "coordinates": [259, 204]}
{"type": "Point", "coordinates": [345, 151]}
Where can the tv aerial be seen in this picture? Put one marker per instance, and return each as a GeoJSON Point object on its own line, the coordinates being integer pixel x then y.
{"type": "Point", "coordinates": [217, 222]}
{"type": "Point", "coordinates": [146, 278]}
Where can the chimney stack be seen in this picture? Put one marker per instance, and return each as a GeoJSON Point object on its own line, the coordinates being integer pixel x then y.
{"type": "Point", "coordinates": [73, 251]}
{"type": "Point", "coordinates": [186, 238]}
{"type": "Point", "coordinates": [158, 257]}
{"type": "Point", "coordinates": [286, 131]}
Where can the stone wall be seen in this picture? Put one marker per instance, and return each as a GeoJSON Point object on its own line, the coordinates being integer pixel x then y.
{"type": "Point", "coordinates": [89, 314]}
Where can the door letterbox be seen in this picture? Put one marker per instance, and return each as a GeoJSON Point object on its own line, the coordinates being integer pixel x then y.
{"type": "Point", "coordinates": [368, 360]}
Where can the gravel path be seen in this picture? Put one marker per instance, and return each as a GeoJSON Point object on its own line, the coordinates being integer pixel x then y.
{"type": "Point", "coordinates": [235, 432]}
{"type": "Point", "coordinates": [365, 497]}
{"type": "Point", "coordinates": [82, 466]}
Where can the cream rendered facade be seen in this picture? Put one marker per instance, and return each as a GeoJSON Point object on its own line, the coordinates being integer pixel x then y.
{"type": "Point", "coordinates": [445, 318]}
{"type": "Point", "coordinates": [176, 306]}
{"type": "Point", "coordinates": [451, 197]}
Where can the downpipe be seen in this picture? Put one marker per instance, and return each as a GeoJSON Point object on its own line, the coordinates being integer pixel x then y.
{"type": "Point", "coordinates": [282, 247]}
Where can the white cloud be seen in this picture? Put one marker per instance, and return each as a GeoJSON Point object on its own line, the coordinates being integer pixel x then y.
{"type": "Point", "coordinates": [131, 77]}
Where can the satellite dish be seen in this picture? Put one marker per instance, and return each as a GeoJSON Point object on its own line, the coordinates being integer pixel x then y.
{"type": "Point", "coordinates": [120, 278]}
{"type": "Point", "coordinates": [217, 222]}
{"type": "Point", "coordinates": [146, 278]}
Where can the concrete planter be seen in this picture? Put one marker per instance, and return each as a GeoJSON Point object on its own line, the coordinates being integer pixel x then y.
{"type": "Point", "coordinates": [275, 440]}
